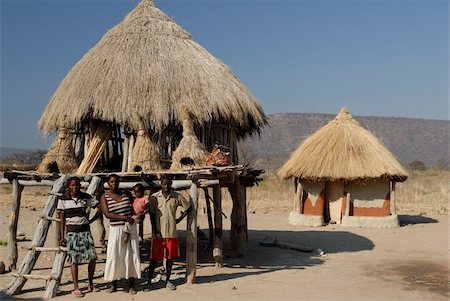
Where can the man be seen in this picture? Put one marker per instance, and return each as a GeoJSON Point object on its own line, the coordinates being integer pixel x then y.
{"type": "Point", "coordinates": [163, 207]}
{"type": "Point", "coordinates": [73, 211]}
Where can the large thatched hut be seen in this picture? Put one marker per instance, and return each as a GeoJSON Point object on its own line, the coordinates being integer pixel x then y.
{"type": "Point", "coordinates": [130, 88]}
{"type": "Point", "coordinates": [343, 175]}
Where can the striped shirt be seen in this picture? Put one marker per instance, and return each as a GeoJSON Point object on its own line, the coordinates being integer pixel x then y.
{"type": "Point", "coordinates": [123, 207]}
{"type": "Point", "coordinates": [76, 211]}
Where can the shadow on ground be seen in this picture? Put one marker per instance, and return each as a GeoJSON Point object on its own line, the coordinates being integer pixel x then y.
{"type": "Point", "coordinates": [405, 220]}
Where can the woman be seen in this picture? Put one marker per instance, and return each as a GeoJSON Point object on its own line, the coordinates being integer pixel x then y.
{"type": "Point", "coordinates": [76, 233]}
{"type": "Point", "coordinates": [122, 260]}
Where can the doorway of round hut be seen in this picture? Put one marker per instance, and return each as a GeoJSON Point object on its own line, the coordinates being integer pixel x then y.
{"type": "Point", "coordinates": [333, 206]}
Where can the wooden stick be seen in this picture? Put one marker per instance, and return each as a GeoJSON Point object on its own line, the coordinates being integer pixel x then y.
{"type": "Point", "coordinates": [217, 250]}
{"type": "Point", "coordinates": [237, 232]}
{"type": "Point", "coordinates": [34, 277]}
{"type": "Point", "coordinates": [14, 218]}
{"type": "Point", "coordinates": [55, 275]}
{"type": "Point", "coordinates": [191, 236]}
{"type": "Point", "coordinates": [45, 249]}
{"type": "Point", "coordinates": [210, 221]}
{"type": "Point", "coordinates": [130, 152]}
{"type": "Point", "coordinates": [39, 238]}
{"type": "Point", "coordinates": [392, 198]}
{"type": "Point", "coordinates": [125, 153]}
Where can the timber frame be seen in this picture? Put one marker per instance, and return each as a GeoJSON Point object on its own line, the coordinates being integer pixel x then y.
{"type": "Point", "coordinates": [235, 178]}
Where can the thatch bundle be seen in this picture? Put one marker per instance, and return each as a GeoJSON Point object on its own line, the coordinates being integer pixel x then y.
{"type": "Point", "coordinates": [342, 150]}
{"type": "Point", "coordinates": [145, 155]}
{"type": "Point", "coordinates": [190, 148]}
{"type": "Point", "coordinates": [143, 68]}
{"type": "Point", "coordinates": [60, 156]}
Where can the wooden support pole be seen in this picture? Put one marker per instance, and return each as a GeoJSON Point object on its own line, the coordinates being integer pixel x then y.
{"type": "Point", "coordinates": [191, 236]}
{"type": "Point", "coordinates": [130, 152]}
{"type": "Point", "coordinates": [392, 198]}
{"type": "Point", "coordinates": [125, 153]}
{"type": "Point", "coordinates": [237, 233]}
{"type": "Point", "coordinates": [347, 199]}
{"type": "Point", "coordinates": [218, 245]}
{"type": "Point", "coordinates": [298, 198]}
{"type": "Point", "coordinates": [14, 218]}
{"type": "Point", "coordinates": [55, 275]}
{"type": "Point", "coordinates": [39, 238]}
{"type": "Point", "coordinates": [210, 221]}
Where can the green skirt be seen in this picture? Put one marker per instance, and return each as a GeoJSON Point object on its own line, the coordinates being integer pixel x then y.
{"type": "Point", "coordinates": [80, 247]}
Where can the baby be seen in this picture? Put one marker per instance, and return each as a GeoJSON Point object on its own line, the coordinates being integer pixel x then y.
{"type": "Point", "coordinates": [140, 208]}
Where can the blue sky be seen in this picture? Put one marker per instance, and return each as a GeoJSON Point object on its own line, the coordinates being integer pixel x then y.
{"type": "Point", "coordinates": [378, 58]}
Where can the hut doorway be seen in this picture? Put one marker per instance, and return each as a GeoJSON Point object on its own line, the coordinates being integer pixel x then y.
{"type": "Point", "coordinates": [334, 193]}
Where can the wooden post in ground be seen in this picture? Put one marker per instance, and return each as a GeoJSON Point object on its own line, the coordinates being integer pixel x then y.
{"type": "Point", "coordinates": [40, 235]}
{"type": "Point", "coordinates": [210, 222]}
{"type": "Point", "coordinates": [298, 198]}
{"type": "Point", "coordinates": [392, 198]}
{"type": "Point", "coordinates": [14, 218]}
{"type": "Point", "coordinates": [58, 264]}
{"type": "Point", "coordinates": [237, 233]}
{"type": "Point", "coordinates": [125, 153]}
{"type": "Point", "coordinates": [191, 236]}
{"type": "Point", "coordinates": [218, 245]}
{"type": "Point", "coordinates": [347, 199]}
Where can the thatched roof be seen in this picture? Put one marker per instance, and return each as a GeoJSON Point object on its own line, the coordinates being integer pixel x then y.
{"type": "Point", "coordinates": [342, 150]}
{"type": "Point", "coordinates": [147, 67]}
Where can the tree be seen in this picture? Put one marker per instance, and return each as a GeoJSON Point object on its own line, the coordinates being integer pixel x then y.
{"type": "Point", "coordinates": [442, 164]}
{"type": "Point", "coordinates": [417, 165]}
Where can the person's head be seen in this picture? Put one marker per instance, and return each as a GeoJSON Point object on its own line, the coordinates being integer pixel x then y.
{"type": "Point", "coordinates": [74, 186]}
{"type": "Point", "coordinates": [113, 182]}
{"type": "Point", "coordinates": [138, 190]}
{"type": "Point", "coordinates": [166, 183]}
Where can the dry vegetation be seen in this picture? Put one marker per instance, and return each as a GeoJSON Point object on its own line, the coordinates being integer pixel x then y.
{"type": "Point", "coordinates": [423, 193]}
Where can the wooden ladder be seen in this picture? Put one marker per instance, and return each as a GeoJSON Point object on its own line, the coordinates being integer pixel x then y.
{"type": "Point", "coordinates": [37, 245]}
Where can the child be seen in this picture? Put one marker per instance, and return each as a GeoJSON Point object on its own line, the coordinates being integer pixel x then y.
{"type": "Point", "coordinates": [140, 208]}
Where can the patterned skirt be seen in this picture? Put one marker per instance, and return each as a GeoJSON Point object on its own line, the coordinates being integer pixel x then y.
{"type": "Point", "coordinates": [80, 247]}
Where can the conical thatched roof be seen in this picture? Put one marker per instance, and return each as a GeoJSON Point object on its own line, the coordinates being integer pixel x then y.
{"type": "Point", "coordinates": [147, 67]}
{"type": "Point", "coordinates": [342, 150]}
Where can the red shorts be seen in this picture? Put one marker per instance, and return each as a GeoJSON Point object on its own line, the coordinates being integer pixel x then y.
{"type": "Point", "coordinates": [169, 244]}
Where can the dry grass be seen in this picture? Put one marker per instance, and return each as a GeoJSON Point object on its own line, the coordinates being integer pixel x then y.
{"type": "Point", "coordinates": [342, 150]}
{"type": "Point", "coordinates": [423, 193]}
{"type": "Point", "coordinates": [146, 68]}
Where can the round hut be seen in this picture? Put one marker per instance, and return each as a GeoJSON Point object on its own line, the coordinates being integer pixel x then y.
{"type": "Point", "coordinates": [344, 175]}
{"type": "Point", "coordinates": [130, 88]}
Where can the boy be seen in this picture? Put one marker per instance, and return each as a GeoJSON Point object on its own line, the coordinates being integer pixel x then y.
{"type": "Point", "coordinates": [73, 211]}
{"type": "Point", "coordinates": [163, 207]}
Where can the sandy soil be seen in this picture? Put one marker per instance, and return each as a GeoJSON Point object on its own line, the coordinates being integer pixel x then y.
{"type": "Point", "coordinates": [407, 263]}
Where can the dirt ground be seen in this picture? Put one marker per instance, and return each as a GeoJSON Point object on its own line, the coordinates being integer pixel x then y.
{"type": "Point", "coordinates": [406, 263]}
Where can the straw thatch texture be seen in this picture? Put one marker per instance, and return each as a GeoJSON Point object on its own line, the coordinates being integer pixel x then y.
{"type": "Point", "coordinates": [145, 68]}
{"type": "Point", "coordinates": [342, 150]}
{"type": "Point", "coordinates": [190, 146]}
{"type": "Point", "coordinates": [145, 153]}
{"type": "Point", "coordinates": [60, 156]}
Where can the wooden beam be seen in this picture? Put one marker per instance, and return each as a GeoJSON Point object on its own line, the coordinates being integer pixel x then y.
{"type": "Point", "coordinates": [45, 249]}
{"type": "Point", "coordinates": [125, 153]}
{"type": "Point", "coordinates": [392, 198]}
{"type": "Point", "coordinates": [347, 199]}
{"type": "Point", "coordinates": [218, 245]}
{"type": "Point", "coordinates": [237, 233]}
{"type": "Point", "coordinates": [14, 218]}
{"type": "Point", "coordinates": [130, 152]}
{"type": "Point", "coordinates": [191, 236]}
{"type": "Point", "coordinates": [39, 238]}
{"type": "Point", "coordinates": [55, 275]}
{"type": "Point", "coordinates": [210, 221]}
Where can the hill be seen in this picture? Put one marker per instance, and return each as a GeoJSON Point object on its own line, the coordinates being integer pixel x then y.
{"type": "Point", "coordinates": [407, 138]}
